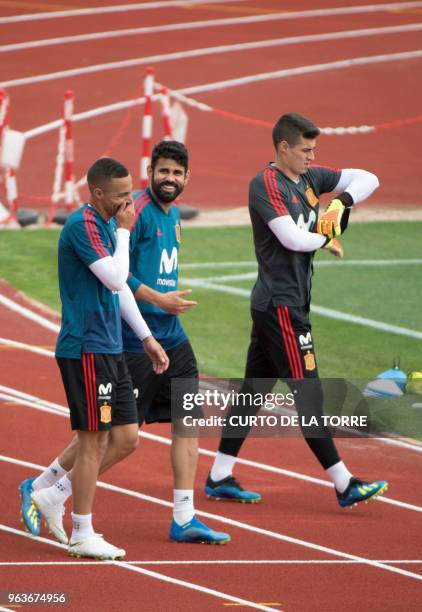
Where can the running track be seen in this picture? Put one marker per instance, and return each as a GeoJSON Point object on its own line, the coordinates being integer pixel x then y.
{"type": "Point", "coordinates": [304, 577]}
{"type": "Point", "coordinates": [297, 551]}
{"type": "Point", "coordinates": [224, 153]}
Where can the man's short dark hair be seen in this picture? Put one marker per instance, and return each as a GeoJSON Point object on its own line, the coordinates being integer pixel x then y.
{"type": "Point", "coordinates": [170, 149]}
{"type": "Point", "coordinates": [291, 127]}
{"type": "Point", "coordinates": [105, 169]}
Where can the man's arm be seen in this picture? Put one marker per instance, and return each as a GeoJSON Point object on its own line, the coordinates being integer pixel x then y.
{"type": "Point", "coordinates": [358, 184]}
{"type": "Point", "coordinates": [294, 238]}
{"type": "Point", "coordinates": [172, 302]}
{"type": "Point", "coordinates": [131, 314]}
{"type": "Point", "coordinates": [113, 270]}
{"type": "Point", "coordinates": [355, 185]}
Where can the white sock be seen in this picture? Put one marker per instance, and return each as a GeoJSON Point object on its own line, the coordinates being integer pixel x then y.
{"type": "Point", "coordinates": [183, 510]}
{"type": "Point", "coordinates": [49, 477]}
{"type": "Point", "coordinates": [222, 466]}
{"type": "Point", "coordinates": [59, 492]}
{"type": "Point", "coordinates": [82, 526]}
{"type": "Point", "coordinates": [340, 475]}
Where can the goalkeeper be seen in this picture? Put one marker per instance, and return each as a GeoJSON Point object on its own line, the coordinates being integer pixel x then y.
{"type": "Point", "coordinates": [284, 207]}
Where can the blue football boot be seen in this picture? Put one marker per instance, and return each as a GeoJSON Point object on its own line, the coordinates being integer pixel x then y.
{"type": "Point", "coordinates": [358, 491]}
{"type": "Point", "coordinates": [30, 515]}
{"type": "Point", "coordinates": [196, 532]}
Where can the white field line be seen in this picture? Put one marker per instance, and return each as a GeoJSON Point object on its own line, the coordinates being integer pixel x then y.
{"type": "Point", "coordinates": [44, 406]}
{"type": "Point", "coordinates": [292, 40]}
{"type": "Point", "coordinates": [245, 526]}
{"type": "Point", "coordinates": [162, 577]}
{"type": "Point", "coordinates": [212, 562]}
{"type": "Point", "coordinates": [123, 8]}
{"type": "Point", "coordinates": [233, 290]}
{"type": "Point", "coordinates": [207, 51]}
{"type": "Point", "coordinates": [26, 347]}
{"type": "Point", "coordinates": [321, 310]}
{"type": "Point", "coordinates": [326, 12]}
{"type": "Point", "coordinates": [347, 262]}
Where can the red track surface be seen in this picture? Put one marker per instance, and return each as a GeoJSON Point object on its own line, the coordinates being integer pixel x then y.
{"type": "Point", "coordinates": [224, 153]}
{"type": "Point", "coordinates": [291, 507]}
{"type": "Point", "coordinates": [224, 156]}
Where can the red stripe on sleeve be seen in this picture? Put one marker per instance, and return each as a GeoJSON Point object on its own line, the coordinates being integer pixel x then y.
{"type": "Point", "coordinates": [270, 191]}
{"type": "Point", "coordinates": [93, 235]}
{"type": "Point", "coordinates": [292, 335]}
{"type": "Point", "coordinates": [140, 204]}
{"type": "Point", "coordinates": [283, 210]}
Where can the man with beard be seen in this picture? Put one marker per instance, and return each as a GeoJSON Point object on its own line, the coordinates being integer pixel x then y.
{"type": "Point", "coordinates": [154, 245]}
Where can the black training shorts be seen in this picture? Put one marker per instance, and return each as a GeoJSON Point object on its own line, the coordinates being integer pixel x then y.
{"type": "Point", "coordinates": [99, 391]}
{"type": "Point", "coordinates": [154, 392]}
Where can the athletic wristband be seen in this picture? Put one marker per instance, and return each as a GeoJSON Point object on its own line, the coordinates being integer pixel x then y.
{"type": "Point", "coordinates": [346, 199]}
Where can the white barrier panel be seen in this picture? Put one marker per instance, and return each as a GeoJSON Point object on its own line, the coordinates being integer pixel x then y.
{"type": "Point", "coordinates": [12, 146]}
{"type": "Point", "coordinates": [179, 122]}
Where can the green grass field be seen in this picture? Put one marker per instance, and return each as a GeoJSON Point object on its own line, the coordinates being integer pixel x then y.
{"type": "Point", "coordinates": [219, 326]}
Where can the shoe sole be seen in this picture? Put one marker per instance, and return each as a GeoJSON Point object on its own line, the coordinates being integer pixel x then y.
{"type": "Point", "coordinates": [368, 499]}
{"type": "Point", "coordinates": [233, 499]}
{"type": "Point", "coordinates": [219, 543]}
{"type": "Point", "coordinates": [98, 557]}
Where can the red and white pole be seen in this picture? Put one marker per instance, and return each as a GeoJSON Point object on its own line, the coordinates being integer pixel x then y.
{"type": "Point", "coordinates": [69, 149]}
{"type": "Point", "coordinates": [165, 113]}
{"type": "Point", "coordinates": [147, 127]}
{"type": "Point", "coordinates": [9, 174]}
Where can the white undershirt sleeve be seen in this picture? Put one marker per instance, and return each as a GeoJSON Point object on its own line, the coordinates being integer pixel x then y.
{"type": "Point", "coordinates": [358, 183]}
{"type": "Point", "coordinates": [130, 313]}
{"type": "Point", "coordinates": [294, 238]}
{"type": "Point", "coordinates": [113, 271]}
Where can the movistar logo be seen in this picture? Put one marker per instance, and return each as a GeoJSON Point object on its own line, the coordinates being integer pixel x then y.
{"type": "Point", "coordinates": [168, 264]}
{"type": "Point", "coordinates": [305, 225]}
{"type": "Point", "coordinates": [105, 389]}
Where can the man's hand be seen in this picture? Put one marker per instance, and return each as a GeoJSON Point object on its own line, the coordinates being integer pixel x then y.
{"type": "Point", "coordinates": [125, 216]}
{"type": "Point", "coordinates": [158, 356]}
{"type": "Point", "coordinates": [335, 248]}
{"type": "Point", "coordinates": [330, 223]}
{"type": "Point", "coordinates": [174, 303]}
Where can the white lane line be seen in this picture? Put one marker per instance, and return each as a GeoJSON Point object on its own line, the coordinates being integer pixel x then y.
{"type": "Point", "coordinates": [190, 585]}
{"type": "Point", "coordinates": [44, 406]}
{"type": "Point", "coordinates": [119, 8]}
{"type": "Point", "coordinates": [325, 12]}
{"type": "Point", "coordinates": [207, 51]}
{"type": "Point", "coordinates": [26, 347]}
{"type": "Point", "coordinates": [321, 310]}
{"type": "Point", "coordinates": [29, 314]}
{"type": "Point", "coordinates": [288, 72]}
{"type": "Point", "coordinates": [292, 40]}
{"type": "Point", "coordinates": [145, 572]}
{"type": "Point", "coordinates": [214, 562]}
{"type": "Point", "coordinates": [245, 526]}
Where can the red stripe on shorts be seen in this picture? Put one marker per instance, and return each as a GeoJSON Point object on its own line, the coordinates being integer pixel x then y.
{"type": "Point", "coordinates": [292, 335]}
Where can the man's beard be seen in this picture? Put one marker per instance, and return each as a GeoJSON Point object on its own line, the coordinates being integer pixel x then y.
{"type": "Point", "coordinates": [165, 196]}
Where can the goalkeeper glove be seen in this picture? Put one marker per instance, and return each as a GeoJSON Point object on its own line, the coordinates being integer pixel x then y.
{"type": "Point", "coordinates": [334, 247]}
{"type": "Point", "coordinates": [329, 223]}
